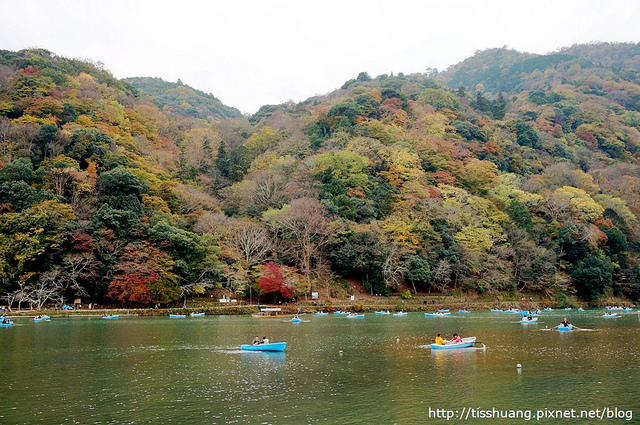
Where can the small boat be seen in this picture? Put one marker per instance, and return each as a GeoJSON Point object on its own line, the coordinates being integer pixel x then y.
{"type": "Point", "coordinates": [531, 313]}
{"type": "Point", "coordinates": [177, 316]}
{"type": "Point", "coordinates": [610, 315]}
{"type": "Point", "coordinates": [296, 320]}
{"type": "Point", "coordinates": [567, 308]}
{"type": "Point", "coordinates": [384, 313]}
{"type": "Point", "coordinates": [580, 310]}
{"type": "Point", "coordinates": [6, 323]}
{"type": "Point", "coordinates": [196, 314]}
{"type": "Point", "coordinates": [355, 316]}
{"type": "Point", "coordinates": [532, 320]}
{"type": "Point", "coordinates": [111, 317]}
{"type": "Point", "coordinates": [42, 319]}
{"type": "Point", "coordinates": [497, 310]}
{"type": "Point", "coordinates": [627, 309]}
{"type": "Point", "coordinates": [322, 313]}
{"type": "Point", "coordinates": [565, 328]}
{"type": "Point", "coordinates": [436, 314]}
{"type": "Point", "coordinates": [548, 309]}
{"type": "Point", "coordinates": [443, 310]}
{"type": "Point", "coordinates": [466, 343]}
{"type": "Point", "coordinates": [464, 311]}
{"type": "Point", "coordinates": [513, 311]}
{"type": "Point", "coordinates": [273, 346]}
{"type": "Point", "coordinates": [341, 313]}
{"type": "Point", "coordinates": [400, 314]}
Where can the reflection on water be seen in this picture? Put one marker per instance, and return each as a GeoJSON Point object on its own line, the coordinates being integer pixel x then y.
{"type": "Point", "coordinates": [376, 370]}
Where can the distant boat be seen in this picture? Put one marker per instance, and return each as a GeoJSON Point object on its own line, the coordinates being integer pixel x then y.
{"type": "Point", "coordinates": [526, 320]}
{"type": "Point", "coordinates": [464, 311]}
{"type": "Point", "coordinates": [610, 315]}
{"type": "Point", "coordinates": [196, 314]}
{"type": "Point", "coordinates": [400, 314]}
{"type": "Point", "coordinates": [565, 328]}
{"type": "Point", "coordinates": [497, 310]}
{"type": "Point", "coordinates": [443, 310]}
{"type": "Point", "coordinates": [436, 314]}
{"type": "Point", "coordinates": [177, 316]}
{"type": "Point", "coordinates": [274, 346]}
{"type": "Point", "coordinates": [111, 317]}
{"type": "Point", "coordinates": [322, 313]}
{"type": "Point", "coordinates": [466, 343]}
{"type": "Point", "coordinates": [42, 319]}
{"type": "Point", "coordinates": [355, 316]}
{"type": "Point", "coordinates": [548, 309]}
{"type": "Point", "coordinates": [580, 310]}
{"type": "Point", "coordinates": [513, 311]}
{"type": "Point", "coordinates": [567, 308]}
{"type": "Point", "coordinates": [6, 323]}
{"type": "Point", "coordinates": [341, 313]}
{"type": "Point", "coordinates": [382, 313]}
{"type": "Point", "coordinates": [296, 320]}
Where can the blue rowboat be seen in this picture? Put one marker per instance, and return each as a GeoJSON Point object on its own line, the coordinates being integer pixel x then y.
{"type": "Point", "coordinates": [196, 314]}
{"type": "Point", "coordinates": [9, 323]}
{"type": "Point", "coordinates": [177, 316]}
{"type": "Point", "coordinates": [111, 317]}
{"type": "Point", "coordinates": [274, 346]}
{"type": "Point", "coordinates": [296, 320]}
{"type": "Point", "coordinates": [382, 313]}
{"type": "Point", "coordinates": [610, 315]}
{"type": "Point", "coordinates": [532, 320]}
{"type": "Point", "coordinates": [466, 343]}
{"type": "Point", "coordinates": [497, 310]}
{"type": "Point", "coordinates": [42, 319]}
{"type": "Point", "coordinates": [548, 309]}
{"type": "Point", "coordinates": [400, 314]}
{"type": "Point", "coordinates": [341, 313]}
{"type": "Point", "coordinates": [464, 311]}
{"type": "Point", "coordinates": [436, 314]}
{"type": "Point", "coordinates": [443, 310]}
{"type": "Point", "coordinates": [565, 328]}
{"type": "Point", "coordinates": [627, 309]}
{"type": "Point", "coordinates": [580, 310]}
{"type": "Point", "coordinates": [355, 316]}
{"type": "Point", "coordinates": [567, 308]}
{"type": "Point", "coordinates": [513, 311]}
{"type": "Point", "coordinates": [322, 313]}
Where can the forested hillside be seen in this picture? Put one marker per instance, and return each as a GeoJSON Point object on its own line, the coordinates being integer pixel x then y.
{"type": "Point", "coordinates": [506, 172]}
{"type": "Point", "coordinates": [183, 99]}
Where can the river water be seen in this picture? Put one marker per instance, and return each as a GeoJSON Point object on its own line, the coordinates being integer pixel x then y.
{"type": "Point", "coordinates": [376, 370]}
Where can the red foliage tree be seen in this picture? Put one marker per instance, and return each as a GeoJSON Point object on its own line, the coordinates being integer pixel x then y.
{"type": "Point", "coordinates": [144, 276]}
{"type": "Point", "coordinates": [273, 281]}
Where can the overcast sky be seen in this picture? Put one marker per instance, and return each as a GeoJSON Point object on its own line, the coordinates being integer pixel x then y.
{"type": "Point", "coordinates": [251, 53]}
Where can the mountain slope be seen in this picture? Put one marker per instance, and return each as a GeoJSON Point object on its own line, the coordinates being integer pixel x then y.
{"type": "Point", "coordinates": [399, 181]}
{"type": "Point", "coordinates": [183, 99]}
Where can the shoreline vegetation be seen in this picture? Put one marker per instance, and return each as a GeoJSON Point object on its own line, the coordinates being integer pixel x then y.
{"type": "Point", "coordinates": [369, 304]}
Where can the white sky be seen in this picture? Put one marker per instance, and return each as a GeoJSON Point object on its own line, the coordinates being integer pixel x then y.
{"type": "Point", "coordinates": [251, 53]}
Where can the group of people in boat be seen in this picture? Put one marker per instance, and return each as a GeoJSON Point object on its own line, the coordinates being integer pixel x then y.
{"type": "Point", "coordinates": [257, 340]}
{"type": "Point", "coordinates": [455, 339]}
{"type": "Point", "coordinates": [5, 320]}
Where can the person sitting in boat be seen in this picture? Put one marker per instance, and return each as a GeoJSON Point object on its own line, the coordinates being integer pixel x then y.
{"type": "Point", "coordinates": [265, 340]}
{"type": "Point", "coordinates": [529, 317]}
{"type": "Point", "coordinates": [256, 341]}
{"type": "Point", "coordinates": [565, 323]}
{"type": "Point", "coordinates": [455, 339]}
{"type": "Point", "coordinates": [439, 340]}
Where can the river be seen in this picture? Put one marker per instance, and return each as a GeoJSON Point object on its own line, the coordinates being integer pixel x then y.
{"type": "Point", "coordinates": [376, 370]}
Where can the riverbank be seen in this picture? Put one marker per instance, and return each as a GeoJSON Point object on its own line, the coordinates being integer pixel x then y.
{"type": "Point", "coordinates": [362, 304]}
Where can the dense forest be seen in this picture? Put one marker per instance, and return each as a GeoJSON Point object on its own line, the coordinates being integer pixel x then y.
{"type": "Point", "coordinates": [506, 172]}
